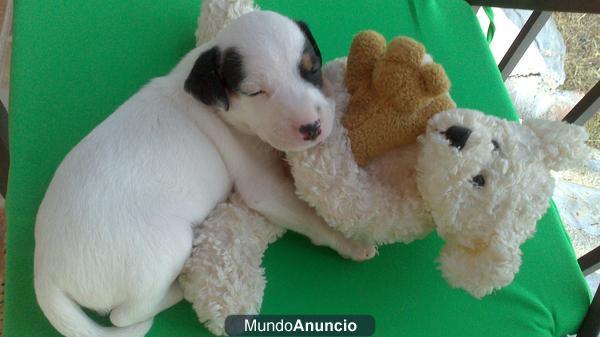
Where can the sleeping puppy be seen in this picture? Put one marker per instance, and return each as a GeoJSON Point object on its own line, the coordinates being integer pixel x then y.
{"type": "Point", "coordinates": [113, 230]}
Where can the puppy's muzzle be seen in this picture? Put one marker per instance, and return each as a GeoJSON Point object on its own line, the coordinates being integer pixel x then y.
{"type": "Point", "coordinates": [311, 131]}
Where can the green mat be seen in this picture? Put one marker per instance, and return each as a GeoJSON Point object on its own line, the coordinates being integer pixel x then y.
{"type": "Point", "coordinates": [74, 62]}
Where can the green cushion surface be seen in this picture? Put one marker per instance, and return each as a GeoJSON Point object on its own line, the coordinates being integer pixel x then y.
{"type": "Point", "coordinates": [74, 62]}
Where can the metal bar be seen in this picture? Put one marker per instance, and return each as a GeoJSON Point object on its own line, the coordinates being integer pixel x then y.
{"type": "Point", "coordinates": [4, 155]}
{"type": "Point", "coordinates": [590, 327]}
{"type": "Point", "coordinates": [4, 164]}
{"type": "Point", "coordinates": [3, 124]}
{"type": "Point", "coordinates": [582, 6]}
{"type": "Point", "coordinates": [587, 107]}
{"type": "Point", "coordinates": [527, 34]}
{"type": "Point", "coordinates": [590, 262]}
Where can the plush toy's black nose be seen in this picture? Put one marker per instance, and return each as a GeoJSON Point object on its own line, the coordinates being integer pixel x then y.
{"type": "Point", "coordinates": [457, 135]}
{"type": "Point", "coordinates": [311, 131]}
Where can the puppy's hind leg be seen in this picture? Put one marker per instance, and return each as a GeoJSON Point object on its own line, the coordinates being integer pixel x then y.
{"type": "Point", "coordinates": [224, 276]}
{"type": "Point", "coordinates": [145, 308]}
{"type": "Point", "coordinates": [155, 291]}
{"type": "Point", "coordinates": [173, 296]}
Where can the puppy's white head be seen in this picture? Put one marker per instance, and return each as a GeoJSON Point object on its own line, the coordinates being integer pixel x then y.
{"type": "Point", "coordinates": [263, 76]}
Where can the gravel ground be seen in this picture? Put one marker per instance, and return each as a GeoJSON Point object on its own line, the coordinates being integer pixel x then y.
{"type": "Point", "coordinates": [581, 33]}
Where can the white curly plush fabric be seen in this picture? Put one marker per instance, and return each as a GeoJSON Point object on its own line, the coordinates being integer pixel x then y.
{"type": "Point", "coordinates": [399, 197]}
{"type": "Point", "coordinates": [484, 226]}
{"type": "Point", "coordinates": [379, 204]}
{"type": "Point", "coordinates": [407, 192]}
{"type": "Point", "coordinates": [216, 14]}
{"type": "Point", "coordinates": [563, 144]}
{"type": "Point", "coordinates": [223, 275]}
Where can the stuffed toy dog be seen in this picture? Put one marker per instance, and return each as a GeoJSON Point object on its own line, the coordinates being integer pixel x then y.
{"type": "Point", "coordinates": [480, 181]}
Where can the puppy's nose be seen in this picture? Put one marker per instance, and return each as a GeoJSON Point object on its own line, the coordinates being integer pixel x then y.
{"type": "Point", "coordinates": [457, 135]}
{"type": "Point", "coordinates": [311, 131]}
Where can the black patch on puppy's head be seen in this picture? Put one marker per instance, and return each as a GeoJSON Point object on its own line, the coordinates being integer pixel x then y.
{"type": "Point", "coordinates": [232, 69]}
{"type": "Point", "coordinates": [214, 77]}
{"type": "Point", "coordinates": [310, 62]}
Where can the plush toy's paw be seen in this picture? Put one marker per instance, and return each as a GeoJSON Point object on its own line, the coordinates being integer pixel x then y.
{"type": "Point", "coordinates": [357, 250]}
{"type": "Point", "coordinates": [406, 50]}
{"type": "Point", "coordinates": [366, 49]}
{"type": "Point", "coordinates": [434, 79]}
{"type": "Point", "coordinates": [390, 105]}
{"type": "Point", "coordinates": [479, 271]}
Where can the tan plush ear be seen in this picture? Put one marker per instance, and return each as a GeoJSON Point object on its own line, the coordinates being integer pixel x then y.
{"type": "Point", "coordinates": [480, 271]}
{"type": "Point", "coordinates": [563, 144]}
{"type": "Point", "coordinates": [366, 49]}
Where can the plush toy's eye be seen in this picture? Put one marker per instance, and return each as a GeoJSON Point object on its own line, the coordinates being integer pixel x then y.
{"type": "Point", "coordinates": [478, 181]}
{"type": "Point", "coordinates": [496, 145]}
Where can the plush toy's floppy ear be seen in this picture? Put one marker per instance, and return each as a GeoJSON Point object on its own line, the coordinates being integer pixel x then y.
{"type": "Point", "coordinates": [482, 271]}
{"type": "Point", "coordinates": [205, 82]}
{"type": "Point", "coordinates": [563, 144]}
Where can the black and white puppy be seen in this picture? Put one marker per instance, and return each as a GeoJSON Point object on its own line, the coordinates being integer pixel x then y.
{"type": "Point", "coordinates": [113, 230]}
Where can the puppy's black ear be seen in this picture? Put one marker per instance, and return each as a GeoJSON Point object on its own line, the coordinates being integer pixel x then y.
{"type": "Point", "coordinates": [204, 81]}
{"type": "Point", "coordinates": [232, 70]}
{"type": "Point", "coordinates": [304, 28]}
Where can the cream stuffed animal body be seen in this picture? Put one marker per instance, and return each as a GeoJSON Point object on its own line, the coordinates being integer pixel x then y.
{"type": "Point", "coordinates": [481, 182]}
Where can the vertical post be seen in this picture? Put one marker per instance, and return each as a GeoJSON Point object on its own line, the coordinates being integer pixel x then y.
{"type": "Point", "coordinates": [587, 107]}
{"type": "Point", "coordinates": [4, 155]}
{"type": "Point", "coordinates": [526, 36]}
{"type": "Point", "coordinates": [590, 327]}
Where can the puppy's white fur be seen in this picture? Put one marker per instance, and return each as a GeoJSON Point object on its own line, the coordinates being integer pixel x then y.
{"type": "Point", "coordinates": [114, 228]}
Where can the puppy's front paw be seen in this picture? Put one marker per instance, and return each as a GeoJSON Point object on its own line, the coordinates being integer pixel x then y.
{"type": "Point", "coordinates": [358, 250]}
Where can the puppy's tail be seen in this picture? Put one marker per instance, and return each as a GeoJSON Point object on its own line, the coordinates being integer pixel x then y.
{"type": "Point", "coordinates": [70, 320]}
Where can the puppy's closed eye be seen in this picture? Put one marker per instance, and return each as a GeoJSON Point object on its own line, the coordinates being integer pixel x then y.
{"type": "Point", "coordinates": [255, 93]}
